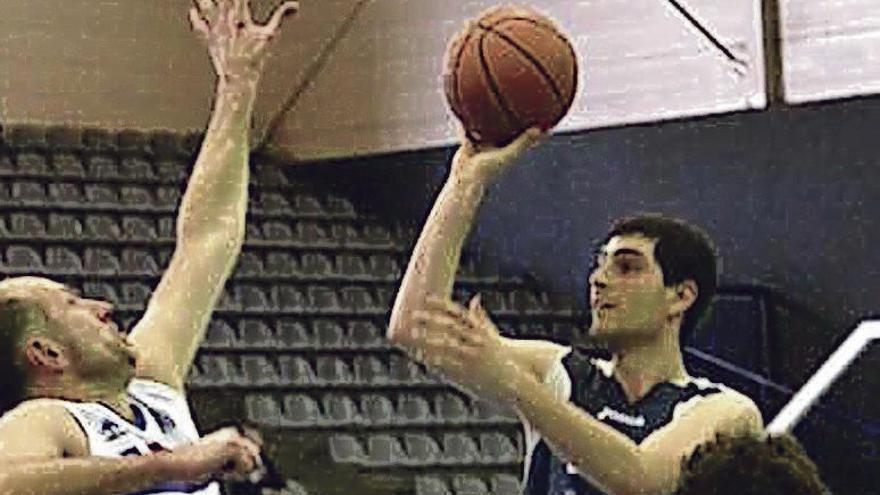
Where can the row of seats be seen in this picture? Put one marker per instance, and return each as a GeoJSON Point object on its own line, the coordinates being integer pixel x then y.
{"type": "Point", "coordinates": [422, 450]}
{"type": "Point", "coordinates": [161, 198]}
{"type": "Point", "coordinates": [308, 370]}
{"type": "Point", "coordinates": [39, 138]}
{"type": "Point", "coordinates": [496, 484]}
{"type": "Point", "coordinates": [293, 334]}
{"type": "Point", "coordinates": [154, 227]}
{"type": "Point", "coordinates": [355, 409]}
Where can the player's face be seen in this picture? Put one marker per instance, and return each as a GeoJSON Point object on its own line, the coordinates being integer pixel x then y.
{"type": "Point", "coordinates": [95, 348]}
{"type": "Point", "coordinates": [627, 296]}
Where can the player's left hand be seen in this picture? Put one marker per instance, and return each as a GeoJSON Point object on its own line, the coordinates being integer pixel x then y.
{"type": "Point", "coordinates": [236, 43]}
{"type": "Point", "coordinates": [465, 345]}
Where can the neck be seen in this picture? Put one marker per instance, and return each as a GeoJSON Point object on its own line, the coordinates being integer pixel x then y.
{"type": "Point", "coordinates": [642, 365]}
{"type": "Point", "coordinates": [66, 388]}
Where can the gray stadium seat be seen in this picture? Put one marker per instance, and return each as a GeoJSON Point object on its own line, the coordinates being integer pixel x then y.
{"type": "Point", "coordinates": [333, 370]}
{"type": "Point", "coordinates": [469, 485]}
{"type": "Point", "coordinates": [498, 448]}
{"type": "Point", "coordinates": [220, 335]}
{"type": "Point", "coordinates": [139, 228]}
{"type": "Point", "coordinates": [421, 448]}
{"type": "Point", "coordinates": [214, 370]}
{"type": "Point", "coordinates": [504, 484]}
{"type": "Point", "coordinates": [346, 449]}
{"type": "Point", "coordinates": [135, 293]}
{"type": "Point", "coordinates": [26, 225]}
{"type": "Point", "coordinates": [100, 261]}
{"type": "Point", "coordinates": [289, 298]}
{"type": "Point", "coordinates": [23, 258]}
{"type": "Point", "coordinates": [170, 170]}
{"type": "Point", "coordinates": [350, 265]}
{"type": "Point", "coordinates": [27, 192]}
{"type": "Point", "coordinates": [275, 230]}
{"type": "Point", "coordinates": [339, 409]}
{"type": "Point", "coordinates": [339, 206]}
{"type": "Point", "coordinates": [383, 267]}
{"type": "Point", "coordinates": [344, 234]}
{"type": "Point", "coordinates": [168, 197]}
{"type": "Point", "coordinates": [67, 165]}
{"type": "Point", "coordinates": [291, 334]}
{"type": "Point", "coordinates": [296, 371]}
{"type": "Point", "coordinates": [167, 227]}
{"type": "Point", "coordinates": [274, 203]}
{"type": "Point", "coordinates": [263, 409]}
{"type": "Point", "coordinates": [102, 167]}
{"type": "Point", "coordinates": [64, 226]}
{"type": "Point", "coordinates": [66, 194]}
{"type": "Point", "coordinates": [102, 227]}
{"type": "Point", "coordinates": [300, 410]}
{"type": "Point", "coordinates": [364, 334]}
{"type": "Point", "coordinates": [252, 298]}
{"type": "Point", "coordinates": [376, 410]}
{"type": "Point", "coordinates": [385, 450]}
{"type": "Point", "coordinates": [136, 196]}
{"type": "Point", "coordinates": [306, 204]}
{"type": "Point", "coordinates": [249, 264]}
{"type": "Point", "coordinates": [323, 299]}
{"type": "Point", "coordinates": [370, 370]}
{"type": "Point", "coordinates": [101, 290]}
{"type": "Point", "coordinates": [357, 299]}
{"type": "Point", "coordinates": [374, 234]}
{"type": "Point", "coordinates": [280, 263]}
{"type": "Point", "coordinates": [459, 448]}
{"type": "Point", "coordinates": [255, 333]}
{"type": "Point", "coordinates": [137, 261]}
{"type": "Point", "coordinates": [413, 408]}
{"type": "Point", "coordinates": [136, 168]}
{"type": "Point", "coordinates": [106, 195]}
{"type": "Point", "coordinates": [486, 411]}
{"type": "Point", "coordinates": [32, 163]}
{"type": "Point", "coordinates": [316, 265]}
{"type": "Point", "coordinates": [258, 370]}
{"type": "Point", "coordinates": [306, 232]}
{"type": "Point", "coordinates": [431, 485]}
{"type": "Point", "coordinates": [63, 260]}
{"type": "Point", "coordinates": [403, 370]}
{"type": "Point", "coordinates": [327, 333]}
{"type": "Point", "coordinates": [450, 408]}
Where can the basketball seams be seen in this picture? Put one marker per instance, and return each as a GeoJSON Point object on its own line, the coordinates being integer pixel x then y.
{"type": "Point", "coordinates": [494, 90]}
{"type": "Point", "coordinates": [454, 90]}
{"type": "Point", "coordinates": [535, 62]}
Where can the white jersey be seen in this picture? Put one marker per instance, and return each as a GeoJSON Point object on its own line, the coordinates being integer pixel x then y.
{"type": "Point", "coordinates": [162, 422]}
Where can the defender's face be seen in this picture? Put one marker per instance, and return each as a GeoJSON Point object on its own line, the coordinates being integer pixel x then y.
{"type": "Point", "coordinates": [84, 328]}
{"type": "Point", "coordinates": [627, 296]}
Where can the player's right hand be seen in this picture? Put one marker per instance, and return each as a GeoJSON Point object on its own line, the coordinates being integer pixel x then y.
{"type": "Point", "coordinates": [481, 165]}
{"type": "Point", "coordinates": [224, 454]}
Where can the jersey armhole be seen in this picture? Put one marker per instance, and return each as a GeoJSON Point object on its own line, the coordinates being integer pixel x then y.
{"type": "Point", "coordinates": [82, 429]}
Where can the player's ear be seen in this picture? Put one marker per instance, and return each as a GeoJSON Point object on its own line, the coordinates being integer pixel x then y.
{"type": "Point", "coordinates": [683, 296]}
{"type": "Point", "coordinates": [45, 354]}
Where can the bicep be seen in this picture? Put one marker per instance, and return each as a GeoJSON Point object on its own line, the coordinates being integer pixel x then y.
{"type": "Point", "coordinates": [177, 315]}
{"type": "Point", "coordinates": [33, 431]}
{"type": "Point", "coordinates": [698, 423]}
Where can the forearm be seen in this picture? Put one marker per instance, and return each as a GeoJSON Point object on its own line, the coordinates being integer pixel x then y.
{"type": "Point", "coordinates": [609, 457]}
{"type": "Point", "coordinates": [216, 197]}
{"type": "Point", "coordinates": [435, 258]}
{"type": "Point", "coordinates": [84, 476]}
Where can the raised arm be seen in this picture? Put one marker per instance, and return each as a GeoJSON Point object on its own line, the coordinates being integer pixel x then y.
{"type": "Point", "coordinates": [211, 221]}
{"type": "Point", "coordinates": [435, 259]}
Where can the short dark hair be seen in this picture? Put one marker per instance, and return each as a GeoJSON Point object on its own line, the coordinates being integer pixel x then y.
{"type": "Point", "coordinates": [684, 252]}
{"type": "Point", "coordinates": [751, 465]}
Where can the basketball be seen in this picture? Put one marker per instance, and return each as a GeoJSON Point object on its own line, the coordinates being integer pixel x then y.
{"type": "Point", "coordinates": [510, 69]}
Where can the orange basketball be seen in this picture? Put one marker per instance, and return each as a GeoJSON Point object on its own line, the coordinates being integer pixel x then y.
{"type": "Point", "coordinates": [509, 70]}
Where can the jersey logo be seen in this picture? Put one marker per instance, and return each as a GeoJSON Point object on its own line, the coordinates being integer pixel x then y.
{"type": "Point", "coordinates": [110, 430]}
{"type": "Point", "coordinates": [619, 417]}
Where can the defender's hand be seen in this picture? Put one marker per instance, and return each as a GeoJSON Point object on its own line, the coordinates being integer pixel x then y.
{"type": "Point", "coordinates": [237, 45]}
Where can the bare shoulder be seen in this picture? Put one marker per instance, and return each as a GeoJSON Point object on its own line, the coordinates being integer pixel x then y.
{"type": "Point", "coordinates": [41, 427]}
{"type": "Point", "coordinates": [540, 356]}
{"type": "Point", "coordinates": [730, 412]}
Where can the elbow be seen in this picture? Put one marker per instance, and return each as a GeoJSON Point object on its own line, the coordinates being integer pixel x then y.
{"type": "Point", "coordinates": [400, 328]}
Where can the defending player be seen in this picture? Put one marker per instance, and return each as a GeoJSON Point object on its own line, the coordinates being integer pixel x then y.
{"type": "Point", "coordinates": [618, 427]}
{"type": "Point", "coordinates": [101, 414]}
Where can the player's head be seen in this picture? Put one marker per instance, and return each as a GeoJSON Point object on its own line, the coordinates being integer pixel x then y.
{"type": "Point", "coordinates": [751, 465]}
{"type": "Point", "coordinates": [651, 273]}
{"type": "Point", "coordinates": [51, 335]}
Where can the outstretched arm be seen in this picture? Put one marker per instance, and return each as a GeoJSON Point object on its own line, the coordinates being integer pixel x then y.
{"type": "Point", "coordinates": [435, 259]}
{"type": "Point", "coordinates": [211, 220]}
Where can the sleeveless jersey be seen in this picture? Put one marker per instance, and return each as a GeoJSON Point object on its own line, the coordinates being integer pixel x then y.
{"type": "Point", "coordinates": [162, 422]}
{"type": "Point", "coordinates": [582, 380]}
